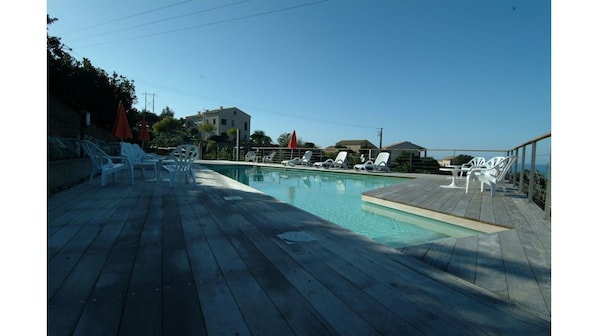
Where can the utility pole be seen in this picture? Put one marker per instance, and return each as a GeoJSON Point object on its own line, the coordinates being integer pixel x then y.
{"type": "Point", "coordinates": [152, 102]}
{"type": "Point", "coordinates": [380, 135]}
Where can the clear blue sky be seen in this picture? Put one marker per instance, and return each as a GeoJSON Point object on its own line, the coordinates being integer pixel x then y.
{"type": "Point", "coordinates": [441, 74]}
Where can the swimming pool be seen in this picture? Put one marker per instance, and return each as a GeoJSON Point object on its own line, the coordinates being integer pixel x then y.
{"type": "Point", "coordinates": [336, 197]}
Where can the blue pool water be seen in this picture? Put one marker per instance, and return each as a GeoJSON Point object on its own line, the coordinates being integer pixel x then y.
{"type": "Point", "coordinates": [337, 197]}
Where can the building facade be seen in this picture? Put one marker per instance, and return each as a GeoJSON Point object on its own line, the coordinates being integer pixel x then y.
{"type": "Point", "coordinates": [223, 119]}
{"type": "Point", "coordinates": [355, 145]}
{"type": "Point", "coordinates": [405, 147]}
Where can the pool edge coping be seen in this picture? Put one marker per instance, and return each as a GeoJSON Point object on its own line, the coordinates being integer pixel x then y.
{"type": "Point", "coordinates": [454, 220]}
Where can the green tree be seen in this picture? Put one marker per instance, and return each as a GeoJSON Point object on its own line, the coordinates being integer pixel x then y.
{"type": "Point", "coordinates": [259, 137]}
{"type": "Point", "coordinates": [232, 133]}
{"type": "Point", "coordinates": [150, 118]}
{"type": "Point", "coordinates": [82, 86]}
{"type": "Point", "coordinates": [461, 159]}
{"type": "Point", "coordinates": [283, 139]}
{"type": "Point", "coordinates": [167, 125]}
{"type": "Point", "coordinates": [166, 112]}
{"type": "Point", "coordinates": [206, 129]}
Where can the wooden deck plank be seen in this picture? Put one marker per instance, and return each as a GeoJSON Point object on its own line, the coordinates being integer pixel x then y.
{"type": "Point", "coordinates": [64, 225]}
{"type": "Point", "coordinates": [142, 314]}
{"type": "Point", "coordinates": [440, 256]}
{"type": "Point", "coordinates": [464, 258]}
{"type": "Point", "coordinates": [180, 307]}
{"type": "Point", "coordinates": [465, 308]}
{"type": "Point", "coordinates": [102, 313]}
{"type": "Point", "coordinates": [276, 272]}
{"type": "Point", "coordinates": [143, 301]}
{"type": "Point", "coordinates": [74, 291]}
{"type": "Point", "coordinates": [257, 308]}
{"type": "Point", "coordinates": [221, 314]}
{"type": "Point", "coordinates": [490, 265]}
{"type": "Point", "coordinates": [348, 265]}
{"type": "Point", "coordinates": [408, 306]}
{"type": "Point", "coordinates": [518, 273]}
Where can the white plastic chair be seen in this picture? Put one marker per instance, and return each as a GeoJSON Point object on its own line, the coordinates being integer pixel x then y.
{"type": "Point", "coordinates": [380, 164]}
{"type": "Point", "coordinates": [250, 156]}
{"type": "Point", "coordinates": [138, 158]}
{"type": "Point", "coordinates": [491, 175]}
{"type": "Point", "coordinates": [104, 163]}
{"type": "Point", "coordinates": [473, 163]}
{"type": "Point", "coordinates": [180, 161]}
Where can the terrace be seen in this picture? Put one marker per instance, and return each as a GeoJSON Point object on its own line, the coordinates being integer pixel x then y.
{"type": "Point", "coordinates": [145, 259]}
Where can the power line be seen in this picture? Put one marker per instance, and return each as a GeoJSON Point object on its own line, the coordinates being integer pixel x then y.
{"type": "Point", "coordinates": [211, 23]}
{"type": "Point", "coordinates": [159, 21]}
{"type": "Point", "coordinates": [129, 16]}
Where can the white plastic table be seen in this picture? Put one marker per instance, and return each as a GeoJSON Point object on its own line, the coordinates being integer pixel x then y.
{"type": "Point", "coordinates": [454, 170]}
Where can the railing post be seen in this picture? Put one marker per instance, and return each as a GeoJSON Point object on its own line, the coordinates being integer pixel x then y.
{"type": "Point", "coordinates": [532, 174]}
{"type": "Point", "coordinates": [521, 174]}
{"type": "Point", "coordinates": [548, 195]}
{"type": "Point", "coordinates": [516, 182]}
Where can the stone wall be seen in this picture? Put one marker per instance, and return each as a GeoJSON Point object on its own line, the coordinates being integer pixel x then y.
{"type": "Point", "coordinates": [63, 174]}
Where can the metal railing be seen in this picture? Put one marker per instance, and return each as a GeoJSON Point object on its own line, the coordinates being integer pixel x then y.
{"type": "Point", "coordinates": [530, 186]}
{"type": "Point", "coordinates": [527, 178]}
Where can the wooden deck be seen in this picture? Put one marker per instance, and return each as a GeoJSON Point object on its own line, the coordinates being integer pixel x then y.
{"type": "Point", "coordinates": [145, 259]}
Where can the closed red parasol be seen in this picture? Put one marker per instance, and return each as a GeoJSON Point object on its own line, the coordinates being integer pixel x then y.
{"type": "Point", "coordinates": [292, 143]}
{"type": "Point", "coordinates": [121, 128]}
{"type": "Point", "coordinates": [143, 132]}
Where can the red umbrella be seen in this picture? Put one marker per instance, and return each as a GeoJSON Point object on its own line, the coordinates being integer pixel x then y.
{"type": "Point", "coordinates": [292, 143]}
{"type": "Point", "coordinates": [121, 128]}
{"type": "Point", "coordinates": [143, 133]}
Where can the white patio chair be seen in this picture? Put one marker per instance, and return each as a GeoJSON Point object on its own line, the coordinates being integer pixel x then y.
{"type": "Point", "coordinates": [491, 175]}
{"type": "Point", "coordinates": [138, 158]}
{"type": "Point", "coordinates": [179, 163]}
{"type": "Point", "coordinates": [478, 161]}
{"type": "Point", "coordinates": [251, 156]}
{"type": "Point", "coordinates": [104, 163]}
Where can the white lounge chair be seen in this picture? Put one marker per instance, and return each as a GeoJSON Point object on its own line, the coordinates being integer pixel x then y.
{"type": "Point", "coordinates": [339, 162]}
{"type": "Point", "coordinates": [381, 163]}
{"type": "Point", "coordinates": [104, 163]}
{"type": "Point", "coordinates": [179, 163]}
{"type": "Point", "coordinates": [250, 156]}
{"type": "Point", "coordinates": [491, 175]}
{"type": "Point", "coordinates": [269, 158]}
{"type": "Point", "coordinates": [139, 159]}
{"type": "Point", "coordinates": [476, 162]}
{"type": "Point", "coordinates": [305, 160]}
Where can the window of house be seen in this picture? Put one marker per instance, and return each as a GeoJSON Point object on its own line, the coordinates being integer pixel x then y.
{"type": "Point", "coordinates": [246, 126]}
{"type": "Point", "coordinates": [223, 121]}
